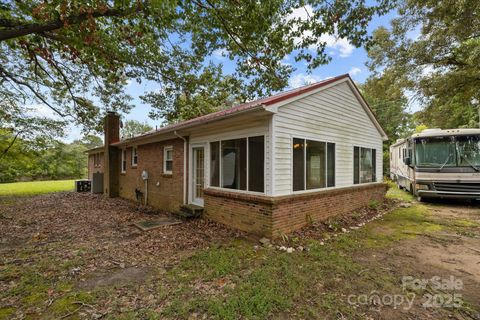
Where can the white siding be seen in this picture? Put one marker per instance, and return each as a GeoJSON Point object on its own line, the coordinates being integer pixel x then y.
{"type": "Point", "coordinates": [333, 114]}
{"type": "Point", "coordinates": [255, 125]}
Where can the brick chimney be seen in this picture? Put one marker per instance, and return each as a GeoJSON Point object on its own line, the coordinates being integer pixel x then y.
{"type": "Point", "coordinates": [111, 127]}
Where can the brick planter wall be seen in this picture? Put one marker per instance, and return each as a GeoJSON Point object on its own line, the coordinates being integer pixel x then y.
{"type": "Point", "coordinates": [274, 216]}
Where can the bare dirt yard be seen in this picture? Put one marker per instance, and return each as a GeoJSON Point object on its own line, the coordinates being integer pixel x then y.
{"type": "Point", "coordinates": [78, 256]}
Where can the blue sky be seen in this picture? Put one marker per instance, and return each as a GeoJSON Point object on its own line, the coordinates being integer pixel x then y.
{"type": "Point", "coordinates": [345, 59]}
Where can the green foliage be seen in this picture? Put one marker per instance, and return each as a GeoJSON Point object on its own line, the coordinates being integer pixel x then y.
{"type": "Point", "coordinates": [43, 158]}
{"type": "Point", "coordinates": [420, 128]}
{"type": "Point", "coordinates": [389, 103]}
{"type": "Point", "coordinates": [132, 128]}
{"type": "Point", "coordinates": [440, 66]}
{"type": "Point", "coordinates": [75, 58]}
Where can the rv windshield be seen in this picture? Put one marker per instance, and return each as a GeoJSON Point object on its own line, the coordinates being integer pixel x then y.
{"type": "Point", "coordinates": [448, 151]}
{"type": "Point", "coordinates": [435, 152]}
{"type": "Point", "coordinates": [468, 148]}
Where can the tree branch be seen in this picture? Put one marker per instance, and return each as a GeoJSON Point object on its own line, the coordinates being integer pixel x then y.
{"type": "Point", "coordinates": [10, 145]}
{"type": "Point", "coordinates": [25, 29]}
{"type": "Point", "coordinates": [25, 84]}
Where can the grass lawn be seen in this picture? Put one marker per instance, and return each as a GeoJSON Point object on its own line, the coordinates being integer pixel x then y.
{"type": "Point", "coordinates": [35, 187]}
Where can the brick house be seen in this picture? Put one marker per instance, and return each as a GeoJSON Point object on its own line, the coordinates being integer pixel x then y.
{"type": "Point", "coordinates": [268, 166]}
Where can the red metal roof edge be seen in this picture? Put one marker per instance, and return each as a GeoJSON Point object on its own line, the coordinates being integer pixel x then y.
{"type": "Point", "coordinates": [298, 91]}
{"type": "Point", "coordinates": [266, 101]}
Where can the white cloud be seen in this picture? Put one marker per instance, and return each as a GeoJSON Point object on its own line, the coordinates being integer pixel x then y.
{"type": "Point", "coordinates": [41, 110]}
{"type": "Point", "coordinates": [303, 79]}
{"type": "Point", "coordinates": [354, 71]}
{"type": "Point", "coordinates": [220, 54]}
{"type": "Point", "coordinates": [340, 46]}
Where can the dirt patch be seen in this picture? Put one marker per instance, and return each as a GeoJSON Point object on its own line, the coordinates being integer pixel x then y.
{"type": "Point", "coordinates": [458, 258]}
{"type": "Point", "coordinates": [116, 279]}
{"type": "Point", "coordinates": [455, 210]}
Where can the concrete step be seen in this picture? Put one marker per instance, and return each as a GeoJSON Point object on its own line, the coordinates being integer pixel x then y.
{"type": "Point", "coordinates": [189, 211]}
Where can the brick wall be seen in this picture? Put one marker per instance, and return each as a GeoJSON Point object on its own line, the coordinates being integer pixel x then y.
{"type": "Point", "coordinates": [245, 212]}
{"type": "Point", "coordinates": [168, 194]}
{"type": "Point", "coordinates": [293, 212]}
{"type": "Point", "coordinates": [274, 216]}
{"type": "Point", "coordinates": [92, 168]}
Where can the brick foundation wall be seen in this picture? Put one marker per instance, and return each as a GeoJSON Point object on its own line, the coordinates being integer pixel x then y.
{"type": "Point", "coordinates": [293, 212]}
{"type": "Point", "coordinates": [245, 212]}
{"type": "Point", "coordinates": [274, 216]}
{"type": "Point", "coordinates": [168, 194]}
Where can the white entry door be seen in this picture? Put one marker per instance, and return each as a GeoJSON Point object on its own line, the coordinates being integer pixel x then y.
{"type": "Point", "coordinates": [198, 175]}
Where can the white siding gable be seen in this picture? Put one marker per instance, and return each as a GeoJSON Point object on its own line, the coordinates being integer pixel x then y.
{"type": "Point", "coordinates": [332, 114]}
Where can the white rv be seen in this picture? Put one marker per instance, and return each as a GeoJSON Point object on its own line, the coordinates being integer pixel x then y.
{"type": "Point", "coordinates": [438, 163]}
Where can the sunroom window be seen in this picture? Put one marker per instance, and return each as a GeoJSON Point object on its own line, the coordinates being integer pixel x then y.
{"type": "Point", "coordinates": [364, 165]}
{"type": "Point", "coordinates": [238, 164]}
{"type": "Point", "coordinates": [313, 164]}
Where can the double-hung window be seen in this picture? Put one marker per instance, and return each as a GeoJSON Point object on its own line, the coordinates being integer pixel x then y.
{"type": "Point", "coordinates": [313, 164]}
{"type": "Point", "coordinates": [96, 160]}
{"type": "Point", "coordinates": [238, 164]}
{"type": "Point", "coordinates": [134, 157]}
{"type": "Point", "coordinates": [364, 165]}
{"type": "Point", "coordinates": [168, 160]}
{"type": "Point", "coordinates": [124, 160]}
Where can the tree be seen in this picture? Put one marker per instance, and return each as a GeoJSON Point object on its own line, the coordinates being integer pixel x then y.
{"type": "Point", "coordinates": [389, 103]}
{"type": "Point", "coordinates": [44, 158]}
{"type": "Point", "coordinates": [75, 57]}
{"type": "Point", "coordinates": [132, 128]}
{"type": "Point", "coordinates": [440, 66]}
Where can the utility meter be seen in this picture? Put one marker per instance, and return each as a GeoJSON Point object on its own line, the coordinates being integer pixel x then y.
{"type": "Point", "coordinates": [144, 175]}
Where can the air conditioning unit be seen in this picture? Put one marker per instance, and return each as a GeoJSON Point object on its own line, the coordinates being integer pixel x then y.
{"type": "Point", "coordinates": [83, 185]}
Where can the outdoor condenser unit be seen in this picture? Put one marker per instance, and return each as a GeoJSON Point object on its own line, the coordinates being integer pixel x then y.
{"type": "Point", "coordinates": [97, 182]}
{"type": "Point", "coordinates": [83, 185]}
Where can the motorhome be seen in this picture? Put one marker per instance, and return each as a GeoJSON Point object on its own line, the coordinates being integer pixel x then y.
{"type": "Point", "coordinates": [438, 163]}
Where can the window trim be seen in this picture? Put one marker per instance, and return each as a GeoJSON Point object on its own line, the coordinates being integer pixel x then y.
{"type": "Point", "coordinates": [134, 153]}
{"type": "Point", "coordinates": [165, 151]}
{"type": "Point", "coordinates": [220, 171]}
{"type": "Point", "coordinates": [123, 169]}
{"type": "Point", "coordinates": [96, 160]}
{"type": "Point", "coordinates": [305, 190]}
{"type": "Point", "coordinates": [374, 164]}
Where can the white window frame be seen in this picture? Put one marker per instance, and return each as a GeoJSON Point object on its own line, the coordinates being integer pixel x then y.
{"type": "Point", "coordinates": [165, 152]}
{"type": "Point", "coordinates": [124, 161]}
{"type": "Point", "coordinates": [134, 155]}
{"type": "Point", "coordinates": [305, 190]}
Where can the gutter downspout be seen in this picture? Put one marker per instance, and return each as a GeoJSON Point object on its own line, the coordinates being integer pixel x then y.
{"type": "Point", "coordinates": [184, 166]}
